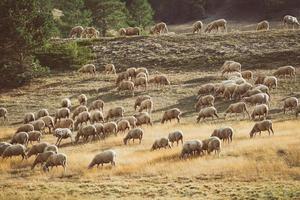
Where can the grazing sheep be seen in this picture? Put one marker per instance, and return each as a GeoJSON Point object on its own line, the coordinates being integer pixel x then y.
{"type": "Point", "coordinates": [289, 71]}
{"type": "Point", "coordinates": [130, 31]}
{"type": "Point", "coordinates": [263, 26]}
{"type": "Point", "coordinates": [290, 20]}
{"type": "Point", "coordinates": [290, 102]}
{"type": "Point", "coordinates": [270, 81]}
{"type": "Point", "coordinates": [38, 125]}
{"type": "Point", "coordinates": [66, 103]}
{"type": "Point", "coordinates": [123, 125]}
{"type": "Point", "coordinates": [205, 143]}
{"type": "Point", "coordinates": [83, 117]}
{"type": "Point", "coordinates": [79, 110]}
{"type": "Point", "coordinates": [260, 110]}
{"type": "Point", "coordinates": [238, 80]}
{"type": "Point", "coordinates": [143, 118]}
{"type": "Point", "coordinates": [41, 158]}
{"type": "Point", "coordinates": [20, 138]}
{"type": "Point", "coordinates": [260, 79]}
{"type": "Point", "coordinates": [42, 113]}
{"type": "Point", "coordinates": [223, 134]}
{"type": "Point", "coordinates": [3, 113]}
{"type": "Point", "coordinates": [115, 112]}
{"type": "Point", "coordinates": [37, 148]}
{"type": "Point", "coordinates": [64, 123]}
{"type": "Point", "coordinates": [110, 69]}
{"type": "Point", "coordinates": [97, 105]}
{"type": "Point", "coordinates": [25, 128]}
{"type": "Point", "coordinates": [139, 100]}
{"type": "Point", "coordinates": [241, 89]}
{"type": "Point", "coordinates": [97, 116]}
{"type": "Point", "coordinates": [214, 145]}
{"type": "Point", "coordinates": [260, 98]}
{"type": "Point", "coordinates": [173, 113]}
{"type": "Point", "coordinates": [52, 148]}
{"type": "Point", "coordinates": [82, 99]}
{"type": "Point", "coordinates": [3, 146]}
{"type": "Point", "coordinates": [85, 132]}
{"type": "Point", "coordinates": [207, 112]}
{"type": "Point", "coordinates": [88, 68]}
{"type": "Point", "coordinates": [231, 66]}
{"type": "Point", "coordinates": [90, 32]}
{"type": "Point", "coordinates": [132, 121]}
{"type": "Point", "coordinates": [220, 88]}
{"type": "Point", "coordinates": [62, 133]}
{"type": "Point", "coordinates": [76, 32]}
{"type": "Point", "coordinates": [146, 105]}
{"type": "Point", "coordinates": [61, 113]}
{"type": "Point", "coordinates": [55, 160]}
{"type": "Point", "coordinates": [141, 82]}
{"type": "Point", "coordinates": [248, 75]}
{"type": "Point", "coordinates": [136, 133]}
{"type": "Point", "coordinates": [29, 117]}
{"type": "Point", "coordinates": [159, 29]}
{"type": "Point", "coordinates": [34, 136]}
{"type": "Point", "coordinates": [205, 89]}
{"type": "Point", "coordinates": [99, 130]}
{"type": "Point", "coordinates": [131, 72]}
{"type": "Point", "coordinates": [108, 156]}
{"type": "Point", "coordinates": [175, 136]}
{"type": "Point", "coordinates": [160, 143]}
{"type": "Point", "coordinates": [110, 127]}
{"type": "Point", "coordinates": [263, 88]}
{"type": "Point", "coordinates": [126, 86]}
{"type": "Point", "coordinates": [216, 25]}
{"type": "Point", "coordinates": [123, 76]}
{"type": "Point", "coordinates": [190, 148]}
{"type": "Point", "coordinates": [258, 127]}
{"type": "Point", "coordinates": [239, 107]}
{"type": "Point", "coordinates": [142, 74]}
{"type": "Point", "coordinates": [14, 150]}
{"type": "Point", "coordinates": [197, 27]}
{"type": "Point", "coordinates": [160, 80]}
{"type": "Point", "coordinates": [229, 90]}
{"type": "Point", "coordinates": [204, 101]}
{"type": "Point", "coordinates": [142, 69]}
{"type": "Point", "coordinates": [252, 92]}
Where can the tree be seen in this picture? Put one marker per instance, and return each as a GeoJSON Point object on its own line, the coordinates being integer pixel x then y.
{"type": "Point", "coordinates": [141, 13]}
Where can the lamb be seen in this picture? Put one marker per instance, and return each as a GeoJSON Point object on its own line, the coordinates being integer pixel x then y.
{"type": "Point", "coordinates": [131, 72]}
{"type": "Point", "coordinates": [197, 27]}
{"type": "Point", "coordinates": [61, 113]}
{"type": "Point", "coordinates": [79, 110]}
{"type": "Point", "coordinates": [160, 80]}
{"type": "Point", "coordinates": [42, 113]}
{"type": "Point", "coordinates": [62, 133]}
{"type": "Point", "coordinates": [263, 26]}
{"type": "Point", "coordinates": [29, 117]}
{"type": "Point", "coordinates": [289, 71]}
{"type": "Point", "coordinates": [231, 66]}
{"type": "Point", "coordinates": [248, 75]}
{"type": "Point", "coordinates": [260, 98]}
{"type": "Point", "coordinates": [34, 136]}
{"type": "Point", "coordinates": [123, 76]}
{"type": "Point", "coordinates": [25, 128]}
{"type": "Point", "coordinates": [55, 160]}
{"type": "Point", "coordinates": [52, 148]}
{"type": "Point", "coordinates": [66, 103]}
{"type": "Point", "coordinates": [205, 89]}
{"type": "Point", "coordinates": [130, 31]}
{"type": "Point", "coordinates": [41, 158]}
{"type": "Point", "coordinates": [83, 117]}
{"type": "Point", "coordinates": [127, 86]}
{"type": "Point", "coordinates": [141, 82]}
{"type": "Point", "coordinates": [37, 148]}
{"type": "Point", "coordinates": [3, 146]}
{"type": "Point", "coordinates": [223, 134]}
{"type": "Point", "coordinates": [146, 105]}
{"type": "Point", "coordinates": [271, 82]}
{"type": "Point", "coordinates": [160, 143]}
{"type": "Point", "coordinates": [143, 118]}
{"type": "Point", "coordinates": [97, 116]}
{"type": "Point", "coordinates": [110, 69]}
{"type": "Point", "coordinates": [290, 20]}
{"type": "Point", "coordinates": [139, 100]}
{"type": "Point", "coordinates": [97, 105]}
{"type": "Point", "coordinates": [88, 68]}
{"type": "Point", "coordinates": [86, 132]}
{"type": "Point", "coordinates": [239, 107]}
{"type": "Point", "coordinates": [173, 113]}
{"type": "Point", "coordinates": [76, 32]}
{"type": "Point", "coordinates": [207, 112]}
{"type": "Point", "coordinates": [123, 125]}
{"type": "Point", "coordinates": [214, 145]}
{"type": "Point", "coordinates": [215, 25]}
{"type": "Point", "coordinates": [20, 138]}
{"type": "Point", "coordinates": [108, 156]}
{"type": "Point", "coordinates": [38, 125]}
{"type": "Point", "coordinates": [175, 136]}
{"type": "Point", "coordinates": [204, 101]}
{"type": "Point", "coordinates": [82, 99]}
{"type": "Point", "coordinates": [241, 89]}
{"type": "Point", "coordinates": [3, 113]}
{"type": "Point", "coordinates": [190, 148]}
{"type": "Point", "coordinates": [64, 123]}
{"type": "Point", "coordinates": [259, 110]}
{"type": "Point", "coordinates": [132, 121]}
{"type": "Point", "coordinates": [159, 28]}
{"type": "Point", "coordinates": [290, 102]}
{"type": "Point", "coordinates": [14, 150]}
{"type": "Point", "coordinates": [115, 112]}
{"type": "Point", "coordinates": [265, 125]}
{"type": "Point", "coordinates": [110, 127]}
{"type": "Point", "coordinates": [136, 133]}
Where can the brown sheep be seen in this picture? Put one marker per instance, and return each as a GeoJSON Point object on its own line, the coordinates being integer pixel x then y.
{"type": "Point", "coordinates": [291, 103]}
{"type": "Point", "coordinates": [173, 113]}
{"type": "Point", "coordinates": [260, 98]}
{"type": "Point", "coordinates": [241, 89]}
{"type": "Point", "coordinates": [146, 105]}
{"type": "Point", "coordinates": [263, 26]}
{"type": "Point", "coordinates": [231, 66]}
{"type": "Point", "coordinates": [61, 113]}
{"type": "Point", "coordinates": [143, 118]}
{"type": "Point", "coordinates": [160, 143]}
{"type": "Point", "coordinates": [97, 105]}
{"type": "Point", "coordinates": [82, 99]}
{"type": "Point", "coordinates": [160, 80]}
{"type": "Point", "coordinates": [123, 76]}
{"type": "Point", "coordinates": [90, 32]}
{"type": "Point", "coordinates": [110, 127]}
{"type": "Point", "coordinates": [271, 82]}
{"type": "Point", "coordinates": [76, 32]}
{"type": "Point", "coordinates": [133, 134]}
{"type": "Point", "coordinates": [223, 134]}
{"type": "Point", "coordinates": [205, 101]}
{"type": "Point", "coordinates": [115, 112]}
{"type": "Point", "coordinates": [197, 27]}
{"type": "Point", "coordinates": [216, 25]}
{"type": "Point", "coordinates": [131, 72]}
{"type": "Point", "coordinates": [239, 107]}
{"type": "Point", "coordinates": [34, 136]}
{"type": "Point", "coordinates": [285, 71]}
{"type": "Point", "coordinates": [123, 125]}
{"type": "Point", "coordinates": [88, 68]}
{"type": "Point", "coordinates": [29, 117]}
{"type": "Point", "coordinates": [175, 136]}
{"type": "Point", "coordinates": [49, 122]}
{"type": "Point", "coordinates": [205, 89]}
{"type": "Point", "coordinates": [79, 110]}
{"type": "Point", "coordinates": [126, 86]}
{"type": "Point", "coordinates": [25, 128]}
{"type": "Point", "coordinates": [260, 110]}
{"type": "Point", "coordinates": [142, 69]}
{"type": "Point", "coordinates": [159, 29]}
{"type": "Point", "coordinates": [132, 121]}
{"type": "Point", "coordinates": [258, 127]}
{"type": "Point", "coordinates": [207, 112]}
{"type": "Point", "coordinates": [229, 90]}
{"type": "Point", "coordinates": [141, 82]}
{"type": "Point", "coordinates": [83, 117]}
{"type": "Point", "coordinates": [3, 113]}
{"type": "Point", "coordinates": [42, 113]}
{"type": "Point", "coordinates": [260, 79]}
{"type": "Point", "coordinates": [110, 69]}
{"type": "Point", "coordinates": [248, 75]}
{"type": "Point", "coordinates": [142, 74]}
{"type": "Point", "coordinates": [96, 116]}
{"type": "Point", "coordinates": [66, 103]}
{"type": "Point", "coordinates": [39, 125]}
{"type": "Point", "coordinates": [139, 100]}
{"type": "Point", "coordinates": [130, 31]}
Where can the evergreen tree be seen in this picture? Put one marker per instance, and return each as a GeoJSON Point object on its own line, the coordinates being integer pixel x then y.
{"type": "Point", "coordinates": [141, 13]}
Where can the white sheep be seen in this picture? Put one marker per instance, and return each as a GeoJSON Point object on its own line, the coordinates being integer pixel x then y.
{"type": "Point", "coordinates": [248, 75]}
{"type": "Point", "coordinates": [260, 110]}
{"type": "Point", "coordinates": [291, 103]}
{"type": "Point", "coordinates": [285, 71]}
{"type": "Point", "coordinates": [108, 156]}
{"type": "Point", "coordinates": [231, 66]}
{"type": "Point", "coordinates": [216, 25]}
{"type": "Point", "coordinates": [260, 98]}
{"type": "Point", "coordinates": [62, 133]}
{"type": "Point", "coordinates": [290, 20]}
{"type": "Point", "coordinates": [271, 82]}
{"type": "Point", "coordinates": [126, 86]}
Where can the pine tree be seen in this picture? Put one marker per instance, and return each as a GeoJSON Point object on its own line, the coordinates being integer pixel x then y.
{"type": "Point", "coordinates": [141, 13]}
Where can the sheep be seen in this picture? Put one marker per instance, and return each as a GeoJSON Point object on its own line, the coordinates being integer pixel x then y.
{"type": "Point", "coordinates": [34, 136]}
{"type": "Point", "coordinates": [55, 160]}
{"type": "Point", "coordinates": [290, 102]}
{"type": "Point", "coordinates": [260, 79]}
{"type": "Point", "coordinates": [260, 98]}
{"type": "Point", "coordinates": [20, 138]}
{"type": "Point", "coordinates": [123, 76]}
{"type": "Point", "coordinates": [131, 72]}
{"type": "Point", "coordinates": [270, 81]}
{"type": "Point", "coordinates": [96, 116]}
{"type": "Point", "coordinates": [132, 121]}
{"type": "Point", "coordinates": [231, 66]}
{"type": "Point", "coordinates": [139, 100]}
{"type": "Point", "coordinates": [173, 113]}
{"type": "Point", "coordinates": [64, 123]}
{"type": "Point", "coordinates": [207, 112]}
{"type": "Point", "coordinates": [190, 148]}
{"type": "Point", "coordinates": [14, 150]}
{"type": "Point", "coordinates": [263, 26]}
{"type": "Point", "coordinates": [229, 90]}
{"type": "Point", "coordinates": [76, 32]}
{"type": "Point", "coordinates": [66, 103]}
{"type": "Point", "coordinates": [83, 117]}
{"type": "Point", "coordinates": [3, 146]}
{"type": "Point", "coordinates": [142, 74]}
{"type": "Point", "coordinates": [224, 134]}
{"type": "Point", "coordinates": [159, 28]}
{"type": "Point", "coordinates": [99, 130]}
{"type": "Point", "coordinates": [238, 80]}
{"type": "Point", "coordinates": [82, 99]}
{"type": "Point", "coordinates": [123, 125]}
{"type": "Point", "coordinates": [61, 113]}
{"type": "Point", "coordinates": [259, 110]}
{"type": "Point", "coordinates": [197, 27]}
{"type": "Point", "coordinates": [115, 112]}
{"type": "Point", "coordinates": [110, 69]}
{"type": "Point", "coordinates": [146, 105]}
{"type": "Point", "coordinates": [290, 20]}
{"type": "Point", "coordinates": [3, 113]}
{"type": "Point", "coordinates": [248, 75]}
{"type": "Point", "coordinates": [28, 117]}
{"type": "Point", "coordinates": [42, 113]}
{"type": "Point", "coordinates": [265, 125]}
{"type": "Point", "coordinates": [215, 25]}
{"type": "Point", "coordinates": [41, 158]}
{"type": "Point", "coordinates": [175, 136]}
{"type": "Point", "coordinates": [204, 101]}
{"type": "Point", "coordinates": [52, 148]}
{"type": "Point", "coordinates": [143, 118]}
{"type": "Point", "coordinates": [25, 128]}
{"type": "Point", "coordinates": [37, 148]}
{"type": "Point", "coordinates": [97, 104]}
{"type": "Point", "coordinates": [130, 31]}
{"type": "Point", "coordinates": [90, 32]}
{"type": "Point", "coordinates": [160, 143]}
{"type": "Point", "coordinates": [263, 88]}
{"type": "Point", "coordinates": [108, 156]}
{"type": "Point", "coordinates": [219, 89]}
{"type": "Point", "coordinates": [39, 125]}
{"type": "Point", "coordinates": [79, 110]}
{"type": "Point", "coordinates": [239, 107]}
{"type": "Point", "coordinates": [160, 80]}
{"type": "Point", "coordinates": [289, 71]}
{"type": "Point", "coordinates": [86, 132]}
{"type": "Point", "coordinates": [141, 82]}
{"type": "Point", "coordinates": [206, 141]}
{"type": "Point", "coordinates": [214, 145]}
{"type": "Point", "coordinates": [252, 92]}
{"type": "Point", "coordinates": [110, 127]}
{"type": "Point", "coordinates": [205, 89]}
{"type": "Point", "coordinates": [62, 133]}
{"type": "Point", "coordinates": [136, 133]}
{"type": "Point", "coordinates": [241, 89]}
{"type": "Point", "coordinates": [127, 86]}
{"type": "Point", "coordinates": [88, 68]}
